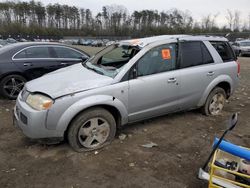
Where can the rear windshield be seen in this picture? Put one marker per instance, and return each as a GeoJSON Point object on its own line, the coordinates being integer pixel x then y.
{"type": "Point", "coordinates": [224, 49]}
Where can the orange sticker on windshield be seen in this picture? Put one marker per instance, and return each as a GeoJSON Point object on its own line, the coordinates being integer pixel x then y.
{"type": "Point", "coordinates": [166, 54]}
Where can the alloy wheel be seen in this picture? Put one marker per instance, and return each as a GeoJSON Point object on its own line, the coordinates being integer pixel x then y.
{"type": "Point", "coordinates": [93, 132]}
{"type": "Point", "coordinates": [13, 86]}
{"type": "Point", "coordinates": [217, 104]}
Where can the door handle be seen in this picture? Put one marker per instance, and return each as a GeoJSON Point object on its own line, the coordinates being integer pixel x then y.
{"type": "Point", "coordinates": [27, 64]}
{"type": "Point", "coordinates": [63, 63]}
{"type": "Point", "coordinates": [210, 73]}
{"type": "Point", "coordinates": [172, 80]}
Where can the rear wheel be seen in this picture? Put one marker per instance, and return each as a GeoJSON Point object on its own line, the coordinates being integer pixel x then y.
{"type": "Point", "coordinates": [91, 130]}
{"type": "Point", "coordinates": [11, 85]}
{"type": "Point", "coordinates": [215, 102]}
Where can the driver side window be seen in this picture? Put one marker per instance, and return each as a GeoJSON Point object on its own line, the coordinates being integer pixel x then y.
{"type": "Point", "coordinates": [159, 59]}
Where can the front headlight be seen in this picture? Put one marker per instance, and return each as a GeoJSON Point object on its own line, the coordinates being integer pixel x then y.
{"type": "Point", "coordinates": [39, 101]}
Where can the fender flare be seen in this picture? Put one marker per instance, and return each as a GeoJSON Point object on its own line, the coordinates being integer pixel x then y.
{"type": "Point", "coordinates": [88, 102]}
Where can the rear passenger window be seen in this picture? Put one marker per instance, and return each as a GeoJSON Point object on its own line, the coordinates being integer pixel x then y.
{"type": "Point", "coordinates": [20, 55]}
{"type": "Point", "coordinates": [194, 53]}
{"type": "Point", "coordinates": [63, 52]}
{"type": "Point", "coordinates": [224, 50]}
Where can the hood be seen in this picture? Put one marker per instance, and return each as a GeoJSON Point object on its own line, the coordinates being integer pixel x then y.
{"type": "Point", "coordinates": [68, 80]}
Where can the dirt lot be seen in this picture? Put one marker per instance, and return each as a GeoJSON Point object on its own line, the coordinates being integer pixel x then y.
{"type": "Point", "coordinates": [184, 140]}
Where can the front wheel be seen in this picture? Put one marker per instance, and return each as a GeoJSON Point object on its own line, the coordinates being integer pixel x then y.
{"type": "Point", "coordinates": [91, 130]}
{"type": "Point", "coordinates": [215, 102]}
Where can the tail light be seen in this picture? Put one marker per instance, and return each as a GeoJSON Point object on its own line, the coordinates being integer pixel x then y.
{"type": "Point", "coordinates": [238, 67]}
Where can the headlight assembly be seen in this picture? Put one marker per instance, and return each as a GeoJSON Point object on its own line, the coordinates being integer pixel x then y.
{"type": "Point", "coordinates": [39, 101]}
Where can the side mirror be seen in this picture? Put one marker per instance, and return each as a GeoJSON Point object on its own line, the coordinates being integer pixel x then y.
{"type": "Point", "coordinates": [84, 58]}
{"type": "Point", "coordinates": [233, 121]}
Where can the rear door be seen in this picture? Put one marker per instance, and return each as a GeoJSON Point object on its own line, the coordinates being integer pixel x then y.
{"type": "Point", "coordinates": [35, 61]}
{"type": "Point", "coordinates": [197, 70]}
{"type": "Point", "coordinates": [67, 56]}
{"type": "Point", "coordinates": [156, 89]}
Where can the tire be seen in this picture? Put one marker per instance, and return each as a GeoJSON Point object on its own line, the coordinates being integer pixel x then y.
{"type": "Point", "coordinates": [215, 102]}
{"type": "Point", "coordinates": [91, 130]}
{"type": "Point", "coordinates": [11, 85]}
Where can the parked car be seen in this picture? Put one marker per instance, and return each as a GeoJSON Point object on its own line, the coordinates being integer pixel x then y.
{"type": "Point", "coordinates": [25, 61]}
{"type": "Point", "coordinates": [3, 42]}
{"type": "Point", "coordinates": [110, 43]}
{"type": "Point", "coordinates": [244, 47]}
{"type": "Point", "coordinates": [128, 82]}
{"type": "Point", "coordinates": [97, 43]}
{"type": "Point", "coordinates": [11, 40]}
{"type": "Point", "coordinates": [23, 40]}
{"type": "Point", "coordinates": [80, 41]}
{"type": "Point", "coordinates": [87, 42]}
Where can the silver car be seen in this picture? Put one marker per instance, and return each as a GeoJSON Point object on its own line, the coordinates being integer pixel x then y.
{"type": "Point", "coordinates": [128, 82]}
{"type": "Point", "coordinates": [244, 47]}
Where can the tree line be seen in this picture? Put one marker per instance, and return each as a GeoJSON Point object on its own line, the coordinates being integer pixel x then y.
{"type": "Point", "coordinates": [34, 18]}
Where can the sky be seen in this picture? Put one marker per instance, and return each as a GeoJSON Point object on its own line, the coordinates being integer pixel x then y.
{"type": "Point", "coordinates": [198, 8]}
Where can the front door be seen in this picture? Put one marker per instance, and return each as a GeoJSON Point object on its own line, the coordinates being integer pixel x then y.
{"type": "Point", "coordinates": [155, 90]}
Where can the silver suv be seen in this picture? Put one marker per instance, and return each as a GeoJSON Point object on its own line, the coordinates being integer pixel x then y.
{"type": "Point", "coordinates": [127, 82]}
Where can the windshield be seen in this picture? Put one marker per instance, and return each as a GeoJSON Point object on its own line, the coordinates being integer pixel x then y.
{"type": "Point", "coordinates": [245, 43]}
{"type": "Point", "coordinates": [110, 61]}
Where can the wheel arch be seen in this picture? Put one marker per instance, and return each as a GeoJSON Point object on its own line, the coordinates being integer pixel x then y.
{"type": "Point", "coordinates": [113, 110]}
{"type": "Point", "coordinates": [223, 81]}
{"type": "Point", "coordinates": [109, 103]}
{"type": "Point", "coordinates": [13, 73]}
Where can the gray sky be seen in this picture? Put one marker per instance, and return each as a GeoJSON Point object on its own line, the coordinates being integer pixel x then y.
{"type": "Point", "coordinates": [198, 8]}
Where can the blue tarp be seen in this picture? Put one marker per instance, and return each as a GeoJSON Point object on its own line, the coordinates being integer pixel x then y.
{"type": "Point", "coordinates": [233, 149]}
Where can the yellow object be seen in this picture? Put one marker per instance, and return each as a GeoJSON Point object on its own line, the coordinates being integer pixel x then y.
{"type": "Point", "coordinates": [224, 175]}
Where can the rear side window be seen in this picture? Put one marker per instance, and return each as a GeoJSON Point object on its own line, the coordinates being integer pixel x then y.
{"type": "Point", "coordinates": [225, 51]}
{"type": "Point", "coordinates": [21, 55]}
{"type": "Point", "coordinates": [67, 53]}
{"type": "Point", "coordinates": [194, 53]}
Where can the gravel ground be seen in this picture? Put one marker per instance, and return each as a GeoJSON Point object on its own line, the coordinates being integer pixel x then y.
{"type": "Point", "coordinates": [184, 142]}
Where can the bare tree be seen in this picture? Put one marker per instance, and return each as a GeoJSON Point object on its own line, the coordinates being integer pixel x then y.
{"type": "Point", "coordinates": [236, 22]}
{"type": "Point", "coordinates": [230, 19]}
{"type": "Point", "coordinates": [249, 22]}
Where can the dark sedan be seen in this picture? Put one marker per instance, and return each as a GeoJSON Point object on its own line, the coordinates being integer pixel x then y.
{"type": "Point", "coordinates": [22, 62]}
